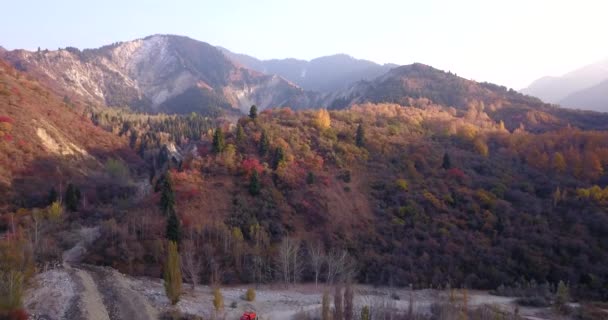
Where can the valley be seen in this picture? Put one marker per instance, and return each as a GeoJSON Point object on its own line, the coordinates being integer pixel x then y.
{"type": "Point", "coordinates": [135, 170]}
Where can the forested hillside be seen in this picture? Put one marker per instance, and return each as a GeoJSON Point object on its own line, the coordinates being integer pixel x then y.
{"type": "Point", "coordinates": [413, 196]}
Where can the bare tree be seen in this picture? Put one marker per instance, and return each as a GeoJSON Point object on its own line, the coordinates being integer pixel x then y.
{"type": "Point", "coordinates": [285, 259]}
{"type": "Point", "coordinates": [335, 264]}
{"type": "Point", "coordinates": [338, 311]}
{"type": "Point", "coordinates": [191, 262]}
{"type": "Point", "coordinates": [317, 258]}
{"type": "Point", "coordinates": [296, 262]}
{"type": "Point", "coordinates": [348, 302]}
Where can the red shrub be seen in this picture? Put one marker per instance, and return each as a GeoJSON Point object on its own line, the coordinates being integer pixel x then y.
{"type": "Point", "coordinates": [6, 119]}
{"type": "Point", "coordinates": [456, 173]}
{"type": "Point", "coordinates": [250, 164]}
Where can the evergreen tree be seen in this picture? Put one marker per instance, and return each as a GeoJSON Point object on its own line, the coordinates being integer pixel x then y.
{"type": "Point", "coordinates": [167, 198]}
{"type": "Point", "coordinates": [254, 183]}
{"type": "Point", "coordinates": [310, 178]}
{"type": "Point", "coordinates": [53, 195]}
{"type": "Point", "coordinates": [264, 144]}
{"type": "Point", "coordinates": [562, 296]}
{"type": "Point", "coordinates": [173, 274]}
{"type": "Point", "coordinates": [253, 112]}
{"type": "Point", "coordinates": [218, 141]}
{"type": "Point", "coordinates": [278, 158]}
{"type": "Point", "coordinates": [240, 133]}
{"type": "Point", "coordinates": [173, 232]}
{"type": "Point", "coordinates": [360, 136]}
{"type": "Point", "coordinates": [447, 163]}
{"type": "Point", "coordinates": [72, 197]}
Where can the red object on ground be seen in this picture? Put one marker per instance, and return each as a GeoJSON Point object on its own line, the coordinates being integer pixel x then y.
{"type": "Point", "coordinates": [248, 316]}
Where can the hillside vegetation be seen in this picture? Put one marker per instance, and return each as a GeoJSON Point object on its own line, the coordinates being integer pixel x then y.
{"type": "Point", "coordinates": [415, 196]}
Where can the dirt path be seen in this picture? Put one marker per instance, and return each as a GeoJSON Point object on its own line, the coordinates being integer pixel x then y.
{"type": "Point", "coordinates": [86, 292]}
{"type": "Point", "coordinates": [91, 303]}
{"type": "Point", "coordinates": [119, 299]}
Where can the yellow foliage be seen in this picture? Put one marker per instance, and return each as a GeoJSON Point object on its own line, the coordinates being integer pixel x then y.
{"type": "Point", "coordinates": [481, 147]}
{"type": "Point", "coordinates": [218, 299]}
{"type": "Point", "coordinates": [402, 184]}
{"type": "Point", "coordinates": [173, 274]}
{"type": "Point", "coordinates": [558, 163]}
{"type": "Point", "coordinates": [55, 211]}
{"type": "Point", "coordinates": [322, 119]}
{"type": "Point", "coordinates": [250, 295]}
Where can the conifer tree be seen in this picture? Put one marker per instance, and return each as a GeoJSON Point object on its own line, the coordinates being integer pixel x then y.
{"type": "Point", "coordinates": [173, 232]}
{"type": "Point", "coordinates": [447, 163]}
{"type": "Point", "coordinates": [253, 112]}
{"type": "Point", "coordinates": [52, 196]}
{"type": "Point", "coordinates": [278, 157]}
{"type": "Point", "coordinates": [254, 183]}
{"type": "Point", "coordinates": [72, 197]}
{"type": "Point", "coordinates": [360, 136]}
{"type": "Point", "coordinates": [167, 198]}
{"type": "Point", "coordinates": [264, 144]}
{"type": "Point", "coordinates": [173, 274]}
{"type": "Point", "coordinates": [218, 141]}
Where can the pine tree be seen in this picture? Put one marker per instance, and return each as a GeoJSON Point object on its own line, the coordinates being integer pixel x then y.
{"type": "Point", "coordinates": [360, 136]}
{"type": "Point", "coordinates": [72, 197]}
{"type": "Point", "coordinates": [278, 158]}
{"type": "Point", "coordinates": [253, 112]}
{"type": "Point", "coordinates": [218, 141]}
{"type": "Point", "coordinates": [447, 163]}
{"type": "Point", "coordinates": [173, 232]}
{"type": "Point", "coordinates": [562, 296]}
{"type": "Point", "coordinates": [173, 274]}
{"type": "Point", "coordinates": [167, 198]}
{"type": "Point", "coordinates": [264, 144]}
{"type": "Point", "coordinates": [254, 183]}
{"type": "Point", "coordinates": [52, 196]}
{"type": "Point", "coordinates": [240, 133]}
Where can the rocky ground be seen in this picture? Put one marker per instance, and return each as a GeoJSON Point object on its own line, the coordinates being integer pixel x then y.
{"type": "Point", "coordinates": [83, 292]}
{"type": "Point", "coordinates": [88, 292]}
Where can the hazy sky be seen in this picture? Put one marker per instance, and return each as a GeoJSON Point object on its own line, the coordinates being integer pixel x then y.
{"type": "Point", "coordinates": [510, 42]}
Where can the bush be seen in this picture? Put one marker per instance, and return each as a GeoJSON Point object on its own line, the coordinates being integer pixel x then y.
{"type": "Point", "coordinates": [218, 299]}
{"type": "Point", "coordinates": [536, 301]}
{"type": "Point", "coordinates": [250, 295]}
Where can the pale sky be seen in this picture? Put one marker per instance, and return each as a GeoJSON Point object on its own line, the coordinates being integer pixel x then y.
{"type": "Point", "coordinates": [511, 42]}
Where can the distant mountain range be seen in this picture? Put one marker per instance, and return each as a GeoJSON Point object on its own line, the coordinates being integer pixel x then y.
{"type": "Point", "coordinates": [584, 88]}
{"type": "Point", "coordinates": [176, 74]}
{"type": "Point", "coordinates": [324, 74]}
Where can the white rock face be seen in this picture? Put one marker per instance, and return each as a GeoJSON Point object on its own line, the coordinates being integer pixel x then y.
{"type": "Point", "coordinates": [153, 70]}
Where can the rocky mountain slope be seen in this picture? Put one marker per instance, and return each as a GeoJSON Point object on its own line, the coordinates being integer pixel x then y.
{"type": "Point", "coordinates": [580, 88]}
{"type": "Point", "coordinates": [45, 138]}
{"type": "Point", "coordinates": [420, 85]}
{"type": "Point", "coordinates": [159, 73]}
{"type": "Point", "coordinates": [324, 74]}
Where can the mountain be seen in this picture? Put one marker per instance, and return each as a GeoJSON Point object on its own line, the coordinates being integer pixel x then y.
{"type": "Point", "coordinates": [159, 73]}
{"type": "Point", "coordinates": [592, 98]}
{"type": "Point", "coordinates": [421, 85]}
{"type": "Point", "coordinates": [569, 89]}
{"type": "Point", "coordinates": [324, 74]}
{"type": "Point", "coordinates": [46, 139]}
